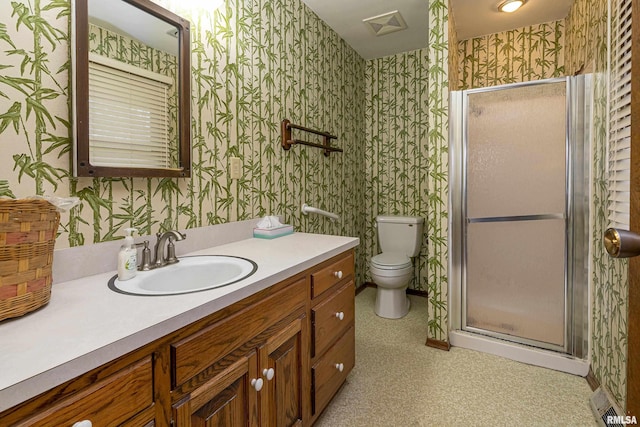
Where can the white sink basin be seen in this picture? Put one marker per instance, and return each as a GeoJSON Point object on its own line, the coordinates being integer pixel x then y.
{"type": "Point", "coordinates": [191, 274]}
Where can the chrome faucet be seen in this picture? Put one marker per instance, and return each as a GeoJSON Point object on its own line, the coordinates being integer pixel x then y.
{"type": "Point", "coordinates": [159, 259]}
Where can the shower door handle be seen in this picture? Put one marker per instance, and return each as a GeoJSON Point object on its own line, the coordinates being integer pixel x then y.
{"type": "Point", "coordinates": [621, 243]}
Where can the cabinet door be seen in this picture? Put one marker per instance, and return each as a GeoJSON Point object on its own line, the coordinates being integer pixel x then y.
{"type": "Point", "coordinates": [282, 364]}
{"type": "Point", "coordinates": [109, 402]}
{"type": "Point", "coordinates": [228, 399]}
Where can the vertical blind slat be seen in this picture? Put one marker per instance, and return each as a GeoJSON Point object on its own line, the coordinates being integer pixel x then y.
{"type": "Point", "coordinates": [619, 147]}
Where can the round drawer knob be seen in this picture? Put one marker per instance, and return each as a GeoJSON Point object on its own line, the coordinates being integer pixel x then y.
{"type": "Point", "coordinates": [338, 274]}
{"type": "Point", "coordinates": [269, 373]}
{"type": "Point", "coordinates": [257, 383]}
{"type": "Point", "coordinates": [340, 367]}
{"type": "Point", "coordinates": [83, 423]}
{"type": "Point", "coordinates": [340, 315]}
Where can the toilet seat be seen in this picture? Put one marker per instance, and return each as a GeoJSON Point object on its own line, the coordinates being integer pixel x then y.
{"type": "Point", "coordinates": [391, 261]}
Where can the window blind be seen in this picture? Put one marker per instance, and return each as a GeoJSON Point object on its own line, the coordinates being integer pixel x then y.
{"type": "Point", "coordinates": [129, 115]}
{"type": "Point", "coordinates": [619, 162]}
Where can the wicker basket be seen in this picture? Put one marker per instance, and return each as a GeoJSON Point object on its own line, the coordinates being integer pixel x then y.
{"type": "Point", "coordinates": [27, 236]}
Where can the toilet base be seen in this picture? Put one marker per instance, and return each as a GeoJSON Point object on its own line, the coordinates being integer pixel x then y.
{"type": "Point", "coordinates": [392, 303]}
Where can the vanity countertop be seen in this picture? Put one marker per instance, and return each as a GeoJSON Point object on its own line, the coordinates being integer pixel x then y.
{"type": "Point", "coordinates": [86, 324]}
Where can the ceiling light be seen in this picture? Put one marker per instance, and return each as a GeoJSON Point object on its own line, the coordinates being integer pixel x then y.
{"type": "Point", "coordinates": [511, 5]}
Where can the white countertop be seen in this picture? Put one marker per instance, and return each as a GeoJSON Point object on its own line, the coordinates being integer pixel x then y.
{"type": "Point", "coordinates": [86, 324]}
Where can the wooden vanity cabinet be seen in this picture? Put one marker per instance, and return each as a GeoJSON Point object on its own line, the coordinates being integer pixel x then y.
{"type": "Point", "coordinates": [118, 393]}
{"type": "Point", "coordinates": [284, 360]}
{"type": "Point", "coordinates": [273, 359]}
{"type": "Point", "coordinates": [227, 399]}
{"type": "Point", "coordinates": [259, 362]}
{"type": "Point", "coordinates": [263, 387]}
{"type": "Point", "coordinates": [332, 329]}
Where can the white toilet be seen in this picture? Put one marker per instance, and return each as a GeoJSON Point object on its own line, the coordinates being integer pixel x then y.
{"type": "Point", "coordinates": [400, 239]}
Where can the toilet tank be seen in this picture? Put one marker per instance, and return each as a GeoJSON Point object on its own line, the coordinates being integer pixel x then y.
{"type": "Point", "coordinates": [400, 234]}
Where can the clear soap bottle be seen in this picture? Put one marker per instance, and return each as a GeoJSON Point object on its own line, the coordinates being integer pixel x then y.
{"type": "Point", "coordinates": [128, 257]}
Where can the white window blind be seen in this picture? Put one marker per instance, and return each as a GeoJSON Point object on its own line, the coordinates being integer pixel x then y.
{"type": "Point", "coordinates": [620, 115]}
{"type": "Point", "coordinates": [129, 115]}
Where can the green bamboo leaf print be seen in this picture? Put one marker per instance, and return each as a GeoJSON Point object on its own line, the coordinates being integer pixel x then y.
{"type": "Point", "coordinates": [90, 196]}
{"type": "Point", "coordinates": [12, 116]}
{"type": "Point", "coordinates": [20, 84]}
{"type": "Point", "coordinates": [60, 143]}
{"type": "Point", "coordinates": [26, 58]}
{"type": "Point", "coordinates": [33, 169]}
{"type": "Point", "coordinates": [40, 111]}
{"type": "Point", "coordinates": [36, 23]}
{"type": "Point", "coordinates": [5, 36]}
{"type": "Point", "coordinates": [22, 13]}
{"type": "Point", "coordinates": [63, 5]}
{"type": "Point", "coordinates": [5, 190]}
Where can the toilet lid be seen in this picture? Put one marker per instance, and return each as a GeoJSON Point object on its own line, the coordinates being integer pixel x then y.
{"type": "Point", "coordinates": [395, 260]}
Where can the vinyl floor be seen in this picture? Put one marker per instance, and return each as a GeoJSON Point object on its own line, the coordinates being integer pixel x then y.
{"type": "Point", "coordinates": [398, 381]}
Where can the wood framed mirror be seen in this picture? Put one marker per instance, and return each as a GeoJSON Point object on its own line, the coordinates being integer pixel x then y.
{"type": "Point", "coordinates": [132, 94]}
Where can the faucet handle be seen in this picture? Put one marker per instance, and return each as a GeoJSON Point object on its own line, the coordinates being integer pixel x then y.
{"type": "Point", "coordinates": [171, 252]}
{"type": "Point", "coordinates": [145, 263]}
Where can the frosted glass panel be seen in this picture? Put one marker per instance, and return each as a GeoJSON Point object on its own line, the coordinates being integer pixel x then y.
{"type": "Point", "coordinates": [515, 279]}
{"type": "Point", "coordinates": [516, 153]}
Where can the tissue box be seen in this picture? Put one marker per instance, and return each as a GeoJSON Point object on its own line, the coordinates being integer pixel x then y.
{"type": "Point", "coordinates": [272, 233]}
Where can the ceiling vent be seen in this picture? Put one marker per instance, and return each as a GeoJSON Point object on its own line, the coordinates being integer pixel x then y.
{"type": "Point", "coordinates": [386, 23]}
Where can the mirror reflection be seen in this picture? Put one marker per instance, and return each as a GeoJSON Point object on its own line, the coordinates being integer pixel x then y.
{"type": "Point", "coordinates": [135, 95]}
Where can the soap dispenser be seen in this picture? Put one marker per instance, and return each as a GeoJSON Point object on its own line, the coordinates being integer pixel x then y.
{"type": "Point", "coordinates": [128, 257]}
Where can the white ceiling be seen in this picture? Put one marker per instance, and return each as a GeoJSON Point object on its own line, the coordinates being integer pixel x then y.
{"type": "Point", "coordinates": [345, 17]}
{"type": "Point", "coordinates": [120, 16]}
{"type": "Point", "coordinates": [472, 18]}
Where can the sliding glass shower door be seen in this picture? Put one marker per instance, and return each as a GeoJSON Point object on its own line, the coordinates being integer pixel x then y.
{"type": "Point", "coordinates": [515, 214]}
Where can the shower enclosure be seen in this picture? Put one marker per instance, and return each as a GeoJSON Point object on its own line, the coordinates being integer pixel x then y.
{"type": "Point", "coordinates": [519, 204]}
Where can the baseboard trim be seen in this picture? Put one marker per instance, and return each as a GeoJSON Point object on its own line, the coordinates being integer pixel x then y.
{"type": "Point", "coordinates": [592, 380]}
{"type": "Point", "coordinates": [416, 292]}
{"type": "Point", "coordinates": [440, 345]}
{"type": "Point", "coordinates": [423, 294]}
{"type": "Point", "coordinates": [362, 287]}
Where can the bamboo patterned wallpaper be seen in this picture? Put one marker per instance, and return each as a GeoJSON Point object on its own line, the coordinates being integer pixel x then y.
{"type": "Point", "coordinates": [257, 61]}
{"type": "Point", "coordinates": [406, 119]}
{"type": "Point", "coordinates": [254, 63]}
{"type": "Point", "coordinates": [397, 146]}
{"type": "Point", "coordinates": [586, 48]}
{"type": "Point", "coordinates": [524, 54]}
{"type": "Point", "coordinates": [438, 163]}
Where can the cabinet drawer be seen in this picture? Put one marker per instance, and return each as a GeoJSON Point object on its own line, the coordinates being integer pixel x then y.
{"type": "Point", "coordinates": [109, 402]}
{"type": "Point", "coordinates": [331, 318]}
{"type": "Point", "coordinates": [198, 351]}
{"type": "Point", "coordinates": [324, 279]}
{"type": "Point", "coordinates": [326, 378]}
